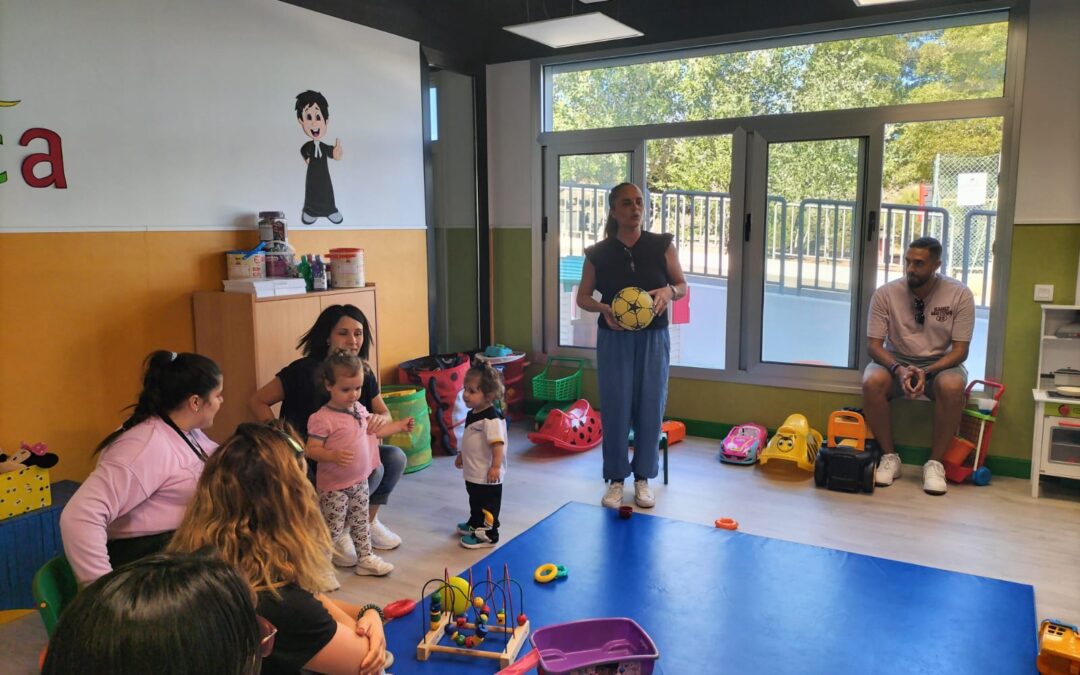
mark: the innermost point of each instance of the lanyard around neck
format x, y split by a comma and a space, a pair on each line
191, 443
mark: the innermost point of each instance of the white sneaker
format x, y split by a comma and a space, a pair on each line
331, 583
613, 495
643, 496
382, 537
344, 551
933, 478
888, 469
374, 566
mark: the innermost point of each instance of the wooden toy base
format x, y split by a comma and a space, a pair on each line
431, 640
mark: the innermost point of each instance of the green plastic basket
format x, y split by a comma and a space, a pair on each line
567, 388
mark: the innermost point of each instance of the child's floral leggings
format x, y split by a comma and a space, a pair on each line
348, 508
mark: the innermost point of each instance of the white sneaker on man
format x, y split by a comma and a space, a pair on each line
933, 478
888, 469
613, 495
344, 551
373, 565
382, 537
643, 496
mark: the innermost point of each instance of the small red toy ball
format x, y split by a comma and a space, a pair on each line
470, 642
522, 619
486, 610
460, 621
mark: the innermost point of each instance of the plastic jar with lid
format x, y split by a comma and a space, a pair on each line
272, 226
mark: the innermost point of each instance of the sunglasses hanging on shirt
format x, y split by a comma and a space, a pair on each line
920, 315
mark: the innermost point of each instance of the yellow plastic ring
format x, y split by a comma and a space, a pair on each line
545, 573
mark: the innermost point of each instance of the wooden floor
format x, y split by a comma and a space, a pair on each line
997, 531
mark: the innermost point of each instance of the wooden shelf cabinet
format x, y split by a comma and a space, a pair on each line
251, 339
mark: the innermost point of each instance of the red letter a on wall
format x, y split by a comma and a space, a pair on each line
54, 156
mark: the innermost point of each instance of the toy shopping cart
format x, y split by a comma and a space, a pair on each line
966, 455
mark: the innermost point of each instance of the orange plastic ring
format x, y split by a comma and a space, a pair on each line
545, 573
727, 523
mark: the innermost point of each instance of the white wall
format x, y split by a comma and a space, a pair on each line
512, 179
1048, 188
179, 114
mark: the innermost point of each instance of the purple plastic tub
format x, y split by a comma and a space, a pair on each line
595, 646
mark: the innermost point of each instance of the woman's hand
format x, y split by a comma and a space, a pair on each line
661, 298
369, 625
609, 317
376, 421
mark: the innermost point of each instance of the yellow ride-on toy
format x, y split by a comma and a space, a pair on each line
795, 441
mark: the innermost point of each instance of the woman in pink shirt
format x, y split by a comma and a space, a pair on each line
136, 496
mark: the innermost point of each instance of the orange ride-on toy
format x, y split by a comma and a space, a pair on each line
575, 430
1059, 648
847, 460
966, 455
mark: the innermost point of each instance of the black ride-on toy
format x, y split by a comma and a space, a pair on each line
849, 456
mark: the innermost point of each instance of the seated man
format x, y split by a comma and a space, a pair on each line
919, 331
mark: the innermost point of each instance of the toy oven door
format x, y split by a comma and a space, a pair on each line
1061, 447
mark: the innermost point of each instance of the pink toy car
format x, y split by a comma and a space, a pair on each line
742, 444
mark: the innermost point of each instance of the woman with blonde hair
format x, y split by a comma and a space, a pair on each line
255, 505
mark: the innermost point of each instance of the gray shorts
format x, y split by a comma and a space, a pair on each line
898, 389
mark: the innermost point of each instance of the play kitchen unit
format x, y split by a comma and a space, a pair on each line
1055, 450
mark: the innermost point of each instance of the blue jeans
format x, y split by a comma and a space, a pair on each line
382, 480
632, 371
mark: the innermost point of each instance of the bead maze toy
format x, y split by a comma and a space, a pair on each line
447, 618
966, 455
1059, 648
847, 460
575, 430
795, 441
742, 444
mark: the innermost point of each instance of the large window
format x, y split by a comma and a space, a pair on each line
785, 223
953, 63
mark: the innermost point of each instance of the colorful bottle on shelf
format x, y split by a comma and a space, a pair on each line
304, 270
318, 274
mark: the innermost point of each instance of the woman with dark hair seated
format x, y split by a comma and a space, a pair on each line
135, 497
255, 505
300, 391
164, 614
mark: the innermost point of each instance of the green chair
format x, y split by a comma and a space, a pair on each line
54, 587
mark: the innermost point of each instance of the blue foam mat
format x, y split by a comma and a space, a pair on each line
727, 602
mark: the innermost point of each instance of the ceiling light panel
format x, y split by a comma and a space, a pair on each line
568, 31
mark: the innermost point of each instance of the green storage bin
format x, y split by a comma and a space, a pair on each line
403, 401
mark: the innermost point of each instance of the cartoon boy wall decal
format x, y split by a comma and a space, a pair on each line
313, 113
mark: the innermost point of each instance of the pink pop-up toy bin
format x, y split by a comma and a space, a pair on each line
589, 647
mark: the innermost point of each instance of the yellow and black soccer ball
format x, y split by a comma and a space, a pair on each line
633, 308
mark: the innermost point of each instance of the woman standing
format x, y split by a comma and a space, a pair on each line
256, 507
299, 389
632, 366
133, 500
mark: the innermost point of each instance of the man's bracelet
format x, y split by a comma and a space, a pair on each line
370, 605
894, 366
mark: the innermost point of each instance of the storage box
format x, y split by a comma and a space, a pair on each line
24, 490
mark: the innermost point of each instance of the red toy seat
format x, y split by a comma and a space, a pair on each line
575, 430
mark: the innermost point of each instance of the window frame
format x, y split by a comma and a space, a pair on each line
869, 123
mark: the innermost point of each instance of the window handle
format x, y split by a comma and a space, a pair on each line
871, 227
746, 228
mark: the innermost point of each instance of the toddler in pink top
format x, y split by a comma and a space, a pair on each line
338, 439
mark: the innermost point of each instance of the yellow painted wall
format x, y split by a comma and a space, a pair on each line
81, 310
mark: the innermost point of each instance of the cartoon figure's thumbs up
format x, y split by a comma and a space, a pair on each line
337, 148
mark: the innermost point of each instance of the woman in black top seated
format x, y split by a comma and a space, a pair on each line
632, 366
255, 505
300, 391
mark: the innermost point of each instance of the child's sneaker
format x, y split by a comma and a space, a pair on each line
478, 539
344, 551
465, 528
373, 565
